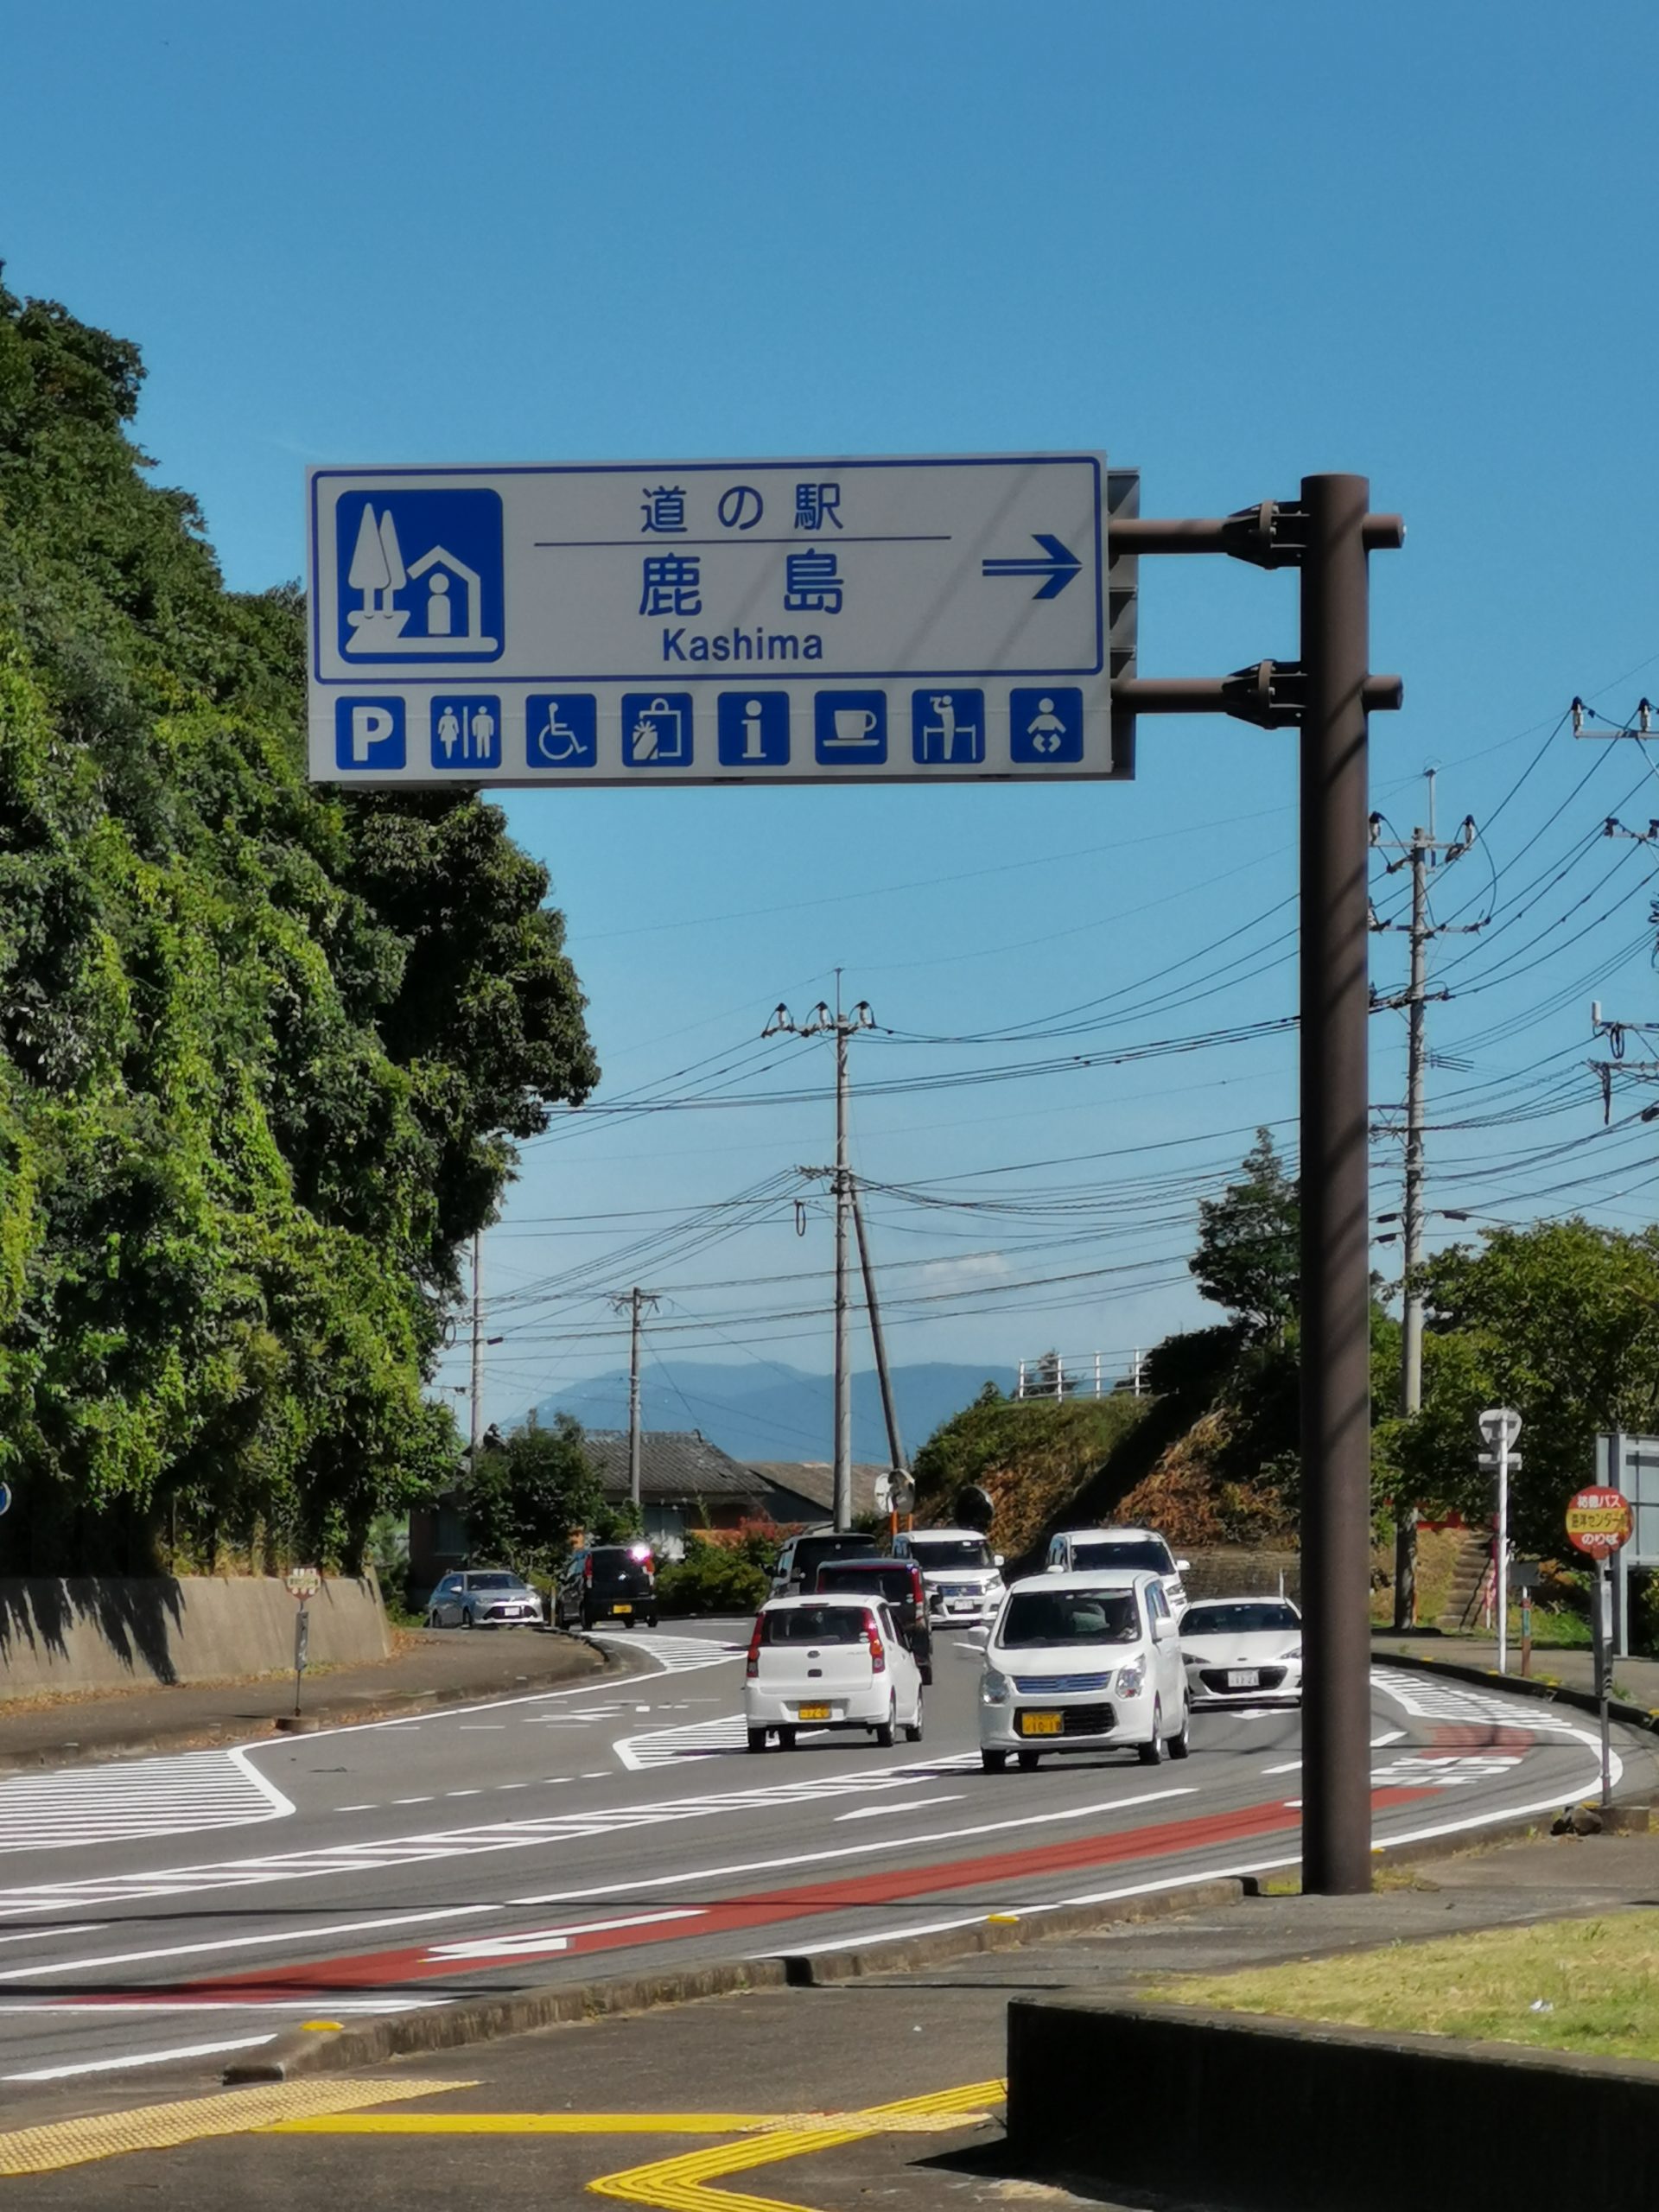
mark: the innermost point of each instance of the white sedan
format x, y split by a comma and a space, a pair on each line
830, 1662
1243, 1651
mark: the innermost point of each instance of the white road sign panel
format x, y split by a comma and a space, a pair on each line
842, 621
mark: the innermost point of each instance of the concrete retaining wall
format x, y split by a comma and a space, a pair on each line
1229, 1571
1260, 2115
127, 1631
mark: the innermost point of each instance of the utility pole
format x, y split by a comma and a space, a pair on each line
1422, 853
889, 1412
633, 1303
478, 1348
821, 1022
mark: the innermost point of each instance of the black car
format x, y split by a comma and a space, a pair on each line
899, 1581
606, 1582
794, 1576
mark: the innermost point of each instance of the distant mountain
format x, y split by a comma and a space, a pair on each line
775, 1411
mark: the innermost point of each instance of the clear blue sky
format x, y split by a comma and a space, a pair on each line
1229, 245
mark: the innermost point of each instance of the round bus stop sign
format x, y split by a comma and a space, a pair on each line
1599, 1522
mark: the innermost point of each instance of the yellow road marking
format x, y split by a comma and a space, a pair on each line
160, 2128
680, 2184
610, 2123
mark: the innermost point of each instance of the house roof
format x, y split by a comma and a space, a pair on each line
815, 1481
674, 1464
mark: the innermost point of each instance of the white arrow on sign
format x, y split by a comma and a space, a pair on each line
1500, 1423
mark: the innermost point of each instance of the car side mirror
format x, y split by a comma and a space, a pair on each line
1162, 1630
972, 1645
1054, 1567
1183, 1567
997, 1559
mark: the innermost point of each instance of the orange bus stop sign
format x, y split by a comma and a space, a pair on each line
1599, 1522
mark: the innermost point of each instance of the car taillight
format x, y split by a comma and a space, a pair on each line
587, 1570
917, 1590
753, 1667
877, 1650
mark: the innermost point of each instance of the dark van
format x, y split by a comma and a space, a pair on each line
802, 1556
899, 1582
606, 1582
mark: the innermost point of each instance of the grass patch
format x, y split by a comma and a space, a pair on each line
1600, 1980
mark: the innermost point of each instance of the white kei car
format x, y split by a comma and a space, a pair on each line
1243, 1651
1082, 1662
830, 1662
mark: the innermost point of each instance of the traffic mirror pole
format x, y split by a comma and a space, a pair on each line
1327, 695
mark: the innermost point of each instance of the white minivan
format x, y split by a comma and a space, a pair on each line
830, 1662
1081, 1662
1073, 1550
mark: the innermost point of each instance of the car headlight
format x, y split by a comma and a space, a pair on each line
1294, 1652
993, 1687
1131, 1679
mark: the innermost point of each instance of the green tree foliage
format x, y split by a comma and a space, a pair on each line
1561, 1321
1031, 1454
264, 1051
712, 1579
529, 1496
1249, 1260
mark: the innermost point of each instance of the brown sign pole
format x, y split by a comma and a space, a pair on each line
1328, 694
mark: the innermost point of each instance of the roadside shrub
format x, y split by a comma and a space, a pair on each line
711, 1579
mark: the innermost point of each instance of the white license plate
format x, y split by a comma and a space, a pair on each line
1244, 1678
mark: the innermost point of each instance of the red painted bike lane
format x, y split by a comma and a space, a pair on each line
476, 1954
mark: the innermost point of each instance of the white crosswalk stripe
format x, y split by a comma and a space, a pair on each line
696, 1739
676, 1654
136, 1798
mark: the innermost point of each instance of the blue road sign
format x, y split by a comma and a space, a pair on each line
947, 728
561, 729
369, 735
850, 729
753, 729
1046, 725
657, 729
421, 576
467, 731
5, 1498
820, 620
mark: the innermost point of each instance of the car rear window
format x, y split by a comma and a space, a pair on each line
815, 1624
893, 1583
1239, 1618
1149, 1552
619, 1568
1036, 1617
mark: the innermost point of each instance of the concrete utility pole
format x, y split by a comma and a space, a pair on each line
478, 1346
1326, 695
1422, 853
821, 1022
896, 1460
633, 1303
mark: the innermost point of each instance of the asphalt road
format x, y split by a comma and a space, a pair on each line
160, 1913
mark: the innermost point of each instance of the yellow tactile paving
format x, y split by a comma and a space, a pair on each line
161, 2127
680, 2184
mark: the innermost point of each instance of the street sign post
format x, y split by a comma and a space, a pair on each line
1599, 1522
303, 1584
1500, 1426
925, 620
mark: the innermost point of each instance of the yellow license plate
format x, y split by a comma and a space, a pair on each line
815, 1713
1039, 1724
621, 1609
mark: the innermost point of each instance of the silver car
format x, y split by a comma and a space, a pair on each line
484, 1597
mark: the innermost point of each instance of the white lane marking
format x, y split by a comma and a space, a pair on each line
132, 1800
676, 1654
688, 1739
324, 1934
540, 1939
357, 1808
411, 1800
888, 1812
534, 1832
48, 2008
39, 1935
853, 1850
1425, 1699
463, 1793
1389, 1736
149, 2058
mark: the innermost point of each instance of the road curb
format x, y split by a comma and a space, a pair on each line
451, 2027
1487, 1678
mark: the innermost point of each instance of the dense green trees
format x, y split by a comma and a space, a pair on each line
264, 1051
